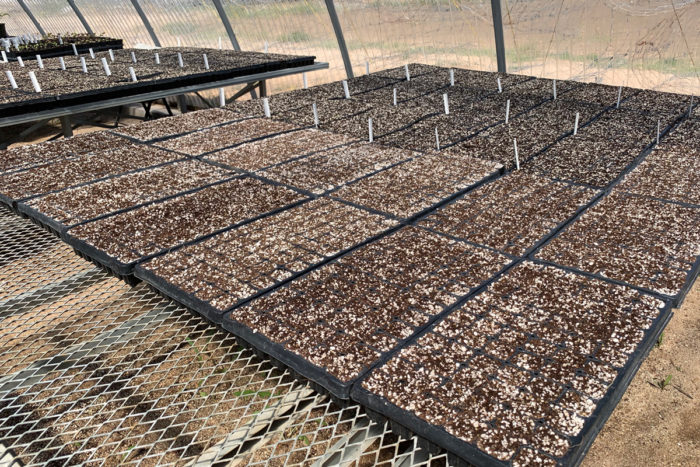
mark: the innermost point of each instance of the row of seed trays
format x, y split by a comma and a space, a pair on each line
54, 45
47, 83
646, 232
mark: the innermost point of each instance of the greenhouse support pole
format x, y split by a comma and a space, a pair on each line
146, 23
227, 24
31, 17
231, 33
339, 36
81, 17
498, 33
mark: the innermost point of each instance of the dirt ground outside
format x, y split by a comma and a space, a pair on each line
655, 426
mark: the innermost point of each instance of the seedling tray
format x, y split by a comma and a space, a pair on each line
581, 234
512, 214
60, 211
229, 269
89, 168
28, 156
97, 45
413, 188
125, 88
199, 204
276, 150
318, 324
491, 399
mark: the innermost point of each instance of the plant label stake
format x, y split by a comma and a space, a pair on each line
367, 66
132, 73
20, 61
4, 56
371, 131
206, 62
11, 78
111, 55
105, 65
39, 61
500, 87
60, 40
507, 110
452, 77
157, 58
266, 107
265, 46
619, 96
35, 82
305, 80
133, 57
83, 64
62, 63
315, 110
408, 75
179, 44
92, 53
437, 139
517, 159
75, 49
576, 124
554, 89
221, 45
395, 99
446, 102
658, 131
179, 60
346, 89
222, 97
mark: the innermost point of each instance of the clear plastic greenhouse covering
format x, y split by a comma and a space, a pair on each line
639, 43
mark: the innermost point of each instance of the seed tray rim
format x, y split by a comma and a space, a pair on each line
121, 269
580, 444
60, 229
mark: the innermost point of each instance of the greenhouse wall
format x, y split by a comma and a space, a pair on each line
640, 43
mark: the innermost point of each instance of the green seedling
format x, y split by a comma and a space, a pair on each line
195, 348
251, 393
126, 454
203, 393
304, 439
660, 340
665, 382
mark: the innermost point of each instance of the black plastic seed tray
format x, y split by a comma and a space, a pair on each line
318, 324
59, 227
208, 222
81, 160
545, 203
672, 263
318, 231
99, 45
126, 88
477, 372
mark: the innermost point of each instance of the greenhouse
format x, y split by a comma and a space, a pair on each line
349, 232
